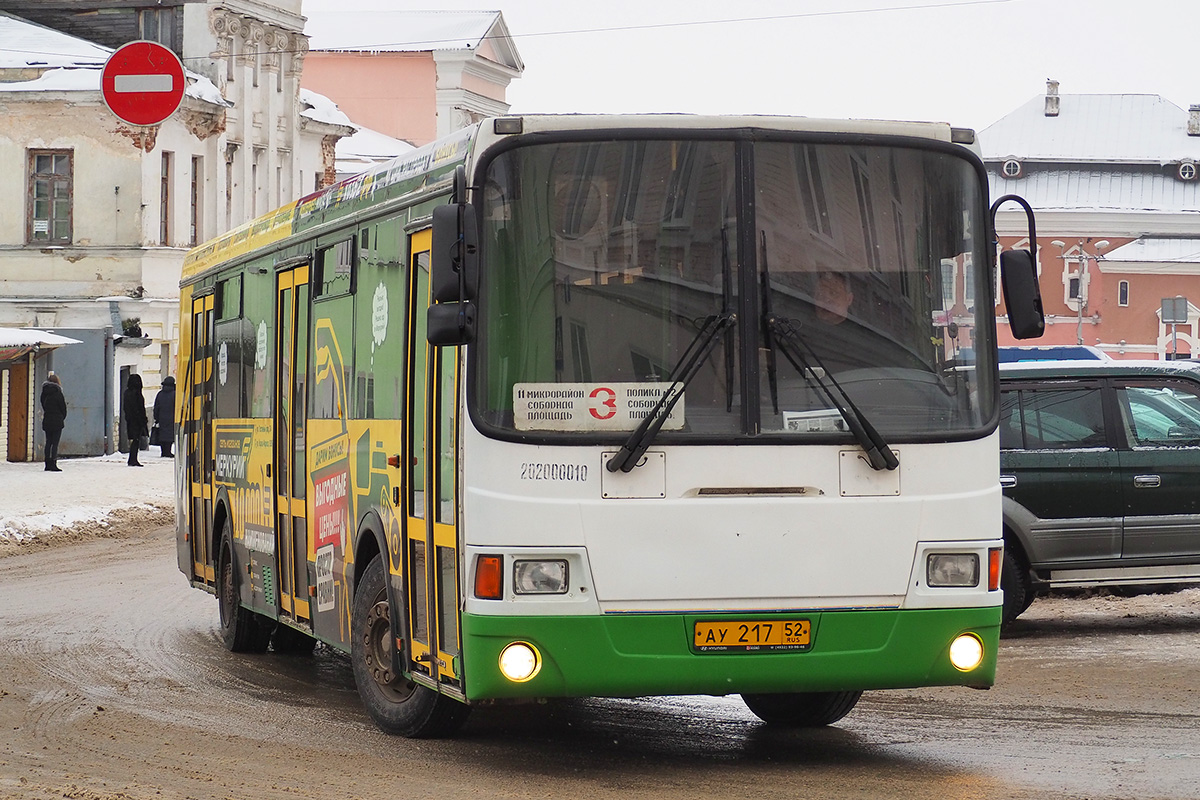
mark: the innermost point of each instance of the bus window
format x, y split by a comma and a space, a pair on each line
258, 336
335, 270
379, 330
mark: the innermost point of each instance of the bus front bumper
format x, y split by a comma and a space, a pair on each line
630, 655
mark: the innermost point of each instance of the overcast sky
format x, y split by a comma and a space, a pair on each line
966, 62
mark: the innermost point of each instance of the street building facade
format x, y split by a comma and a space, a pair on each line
420, 76
1112, 180
100, 213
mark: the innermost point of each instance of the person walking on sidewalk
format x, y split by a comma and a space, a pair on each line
136, 424
164, 417
54, 417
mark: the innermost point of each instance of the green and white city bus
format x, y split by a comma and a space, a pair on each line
610, 406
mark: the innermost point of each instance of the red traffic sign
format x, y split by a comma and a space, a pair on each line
142, 83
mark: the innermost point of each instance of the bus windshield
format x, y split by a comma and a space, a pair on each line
849, 271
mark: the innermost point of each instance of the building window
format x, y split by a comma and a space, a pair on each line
229, 156
1187, 171
866, 213
164, 201
949, 279
1123, 293
158, 25
1012, 168
812, 190
1073, 287
195, 200
50, 197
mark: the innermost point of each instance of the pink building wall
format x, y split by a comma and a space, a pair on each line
393, 93
1105, 320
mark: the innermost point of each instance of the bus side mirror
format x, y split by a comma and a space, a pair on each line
1022, 296
450, 324
454, 259
1019, 281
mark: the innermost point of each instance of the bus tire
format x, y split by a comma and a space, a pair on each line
1017, 586
397, 705
242, 630
802, 709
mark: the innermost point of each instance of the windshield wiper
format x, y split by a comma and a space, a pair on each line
693, 358
785, 336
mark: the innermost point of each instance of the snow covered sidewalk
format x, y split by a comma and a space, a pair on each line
90, 497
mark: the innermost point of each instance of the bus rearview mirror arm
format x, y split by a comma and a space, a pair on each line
1019, 280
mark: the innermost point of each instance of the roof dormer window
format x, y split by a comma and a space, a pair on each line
1187, 171
1012, 168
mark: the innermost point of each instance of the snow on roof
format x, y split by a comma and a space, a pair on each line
25, 44
59, 79
78, 79
1159, 250
397, 31
366, 148
320, 108
1126, 128
30, 337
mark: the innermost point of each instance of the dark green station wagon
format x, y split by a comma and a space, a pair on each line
1100, 469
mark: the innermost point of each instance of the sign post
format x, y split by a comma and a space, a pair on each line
1175, 312
142, 83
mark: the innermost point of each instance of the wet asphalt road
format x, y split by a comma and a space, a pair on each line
114, 685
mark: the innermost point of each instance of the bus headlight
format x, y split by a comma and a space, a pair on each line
966, 652
952, 569
540, 577
519, 662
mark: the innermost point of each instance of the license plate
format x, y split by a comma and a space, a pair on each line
752, 636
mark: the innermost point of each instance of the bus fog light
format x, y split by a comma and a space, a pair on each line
952, 569
519, 662
540, 577
966, 652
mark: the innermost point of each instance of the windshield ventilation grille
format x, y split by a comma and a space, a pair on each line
758, 491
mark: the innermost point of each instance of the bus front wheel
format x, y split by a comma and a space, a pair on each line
802, 709
396, 704
242, 630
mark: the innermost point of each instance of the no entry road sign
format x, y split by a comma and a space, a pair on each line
142, 83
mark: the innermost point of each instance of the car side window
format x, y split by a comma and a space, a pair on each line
1011, 437
1162, 414
1052, 419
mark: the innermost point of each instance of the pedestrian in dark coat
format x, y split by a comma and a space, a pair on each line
136, 424
164, 417
54, 417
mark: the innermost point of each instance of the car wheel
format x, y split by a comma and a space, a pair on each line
396, 704
802, 709
1017, 586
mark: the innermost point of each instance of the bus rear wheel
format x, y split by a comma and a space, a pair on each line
396, 704
242, 630
802, 709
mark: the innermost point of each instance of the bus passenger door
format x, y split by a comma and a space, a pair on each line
200, 451
290, 464
432, 533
